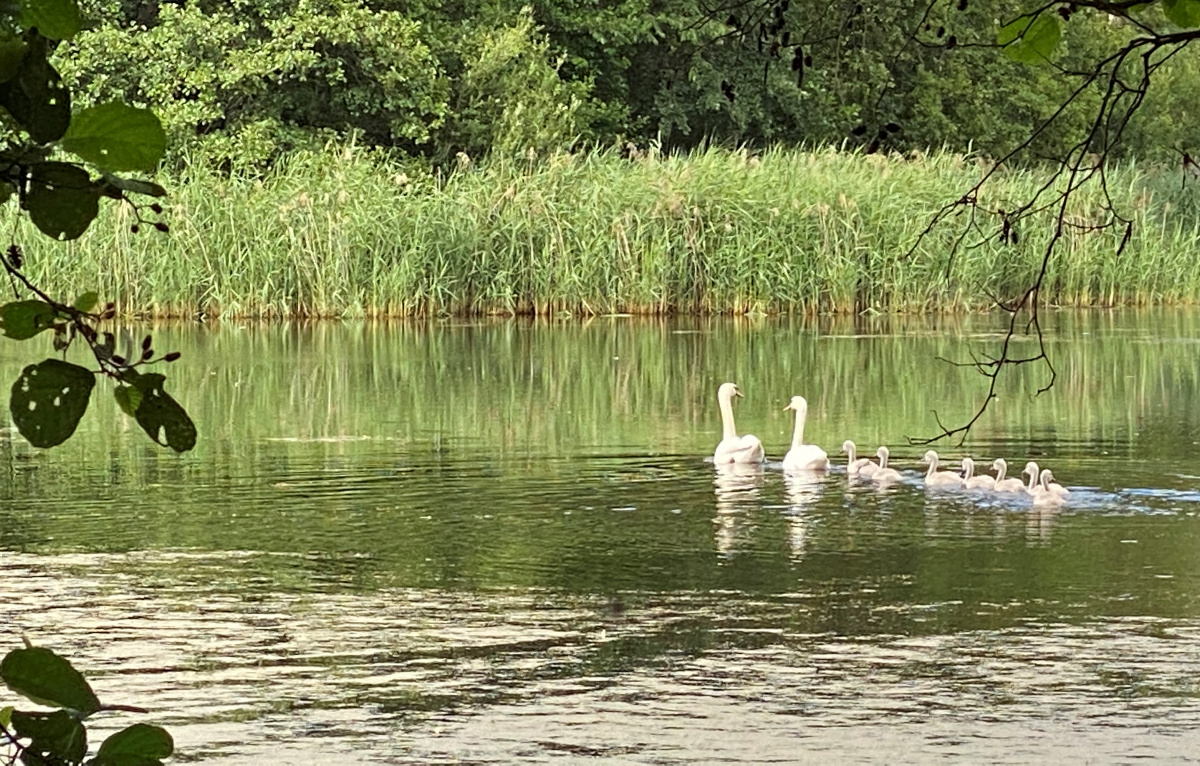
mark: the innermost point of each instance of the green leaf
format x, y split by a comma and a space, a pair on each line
128, 398
1030, 39
117, 136
36, 96
21, 320
5, 716
56, 19
135, 185
162, 417
47, 679
1183, 13
87, 301
48, 400
57, 736
62, 200
138, 745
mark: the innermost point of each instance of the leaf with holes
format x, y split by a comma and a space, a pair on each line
36, 96
1183, 13
1030, 39
47, 679
55, 737
116, 136
62, 200
21, 320
48, 400
138, 745
160, 416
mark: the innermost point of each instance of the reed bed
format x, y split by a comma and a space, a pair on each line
352, 233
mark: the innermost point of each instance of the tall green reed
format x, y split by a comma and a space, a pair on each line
350, 233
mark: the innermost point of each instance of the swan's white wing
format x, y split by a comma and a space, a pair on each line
944, 479
806, 457
1010, 485
862, 467
885, 475
981, 482
744, 449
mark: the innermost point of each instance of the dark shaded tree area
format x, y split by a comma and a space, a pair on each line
247, 80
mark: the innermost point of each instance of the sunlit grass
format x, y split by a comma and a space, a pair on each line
347, 233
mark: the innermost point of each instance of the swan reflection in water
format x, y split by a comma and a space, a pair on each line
738, 489
1039, 523
803, 492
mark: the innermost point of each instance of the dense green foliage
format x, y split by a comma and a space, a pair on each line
351, 233
253, 79
60, 737
250, 80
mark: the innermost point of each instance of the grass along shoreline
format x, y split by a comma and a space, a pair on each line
346, 233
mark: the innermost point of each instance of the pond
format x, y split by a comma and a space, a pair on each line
500, 541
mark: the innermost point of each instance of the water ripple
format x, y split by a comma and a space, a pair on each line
681, 677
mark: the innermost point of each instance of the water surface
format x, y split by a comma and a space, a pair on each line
500, 541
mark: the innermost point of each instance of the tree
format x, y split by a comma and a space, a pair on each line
62, 196
1126, 46
248, 82
240, 84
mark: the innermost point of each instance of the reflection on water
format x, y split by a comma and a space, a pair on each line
738, 495
503, 542
804, 490
1039, 522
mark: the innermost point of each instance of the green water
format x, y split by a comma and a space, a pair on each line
498, 542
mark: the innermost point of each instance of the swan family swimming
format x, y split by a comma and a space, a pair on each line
802, 458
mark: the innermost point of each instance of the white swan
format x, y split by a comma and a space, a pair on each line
1053, 486
1031, 468
733, 448
883, 473
1047, 491
803, 457
971, 481
1011, 484
936, 478
862, 466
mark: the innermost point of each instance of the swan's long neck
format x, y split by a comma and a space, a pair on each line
883, 458
850, 452
1001, 469
1034, 476
968, 469
933, 463
728, 431
798, 434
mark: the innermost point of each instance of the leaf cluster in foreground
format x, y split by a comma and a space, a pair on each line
59, 167
60, 736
